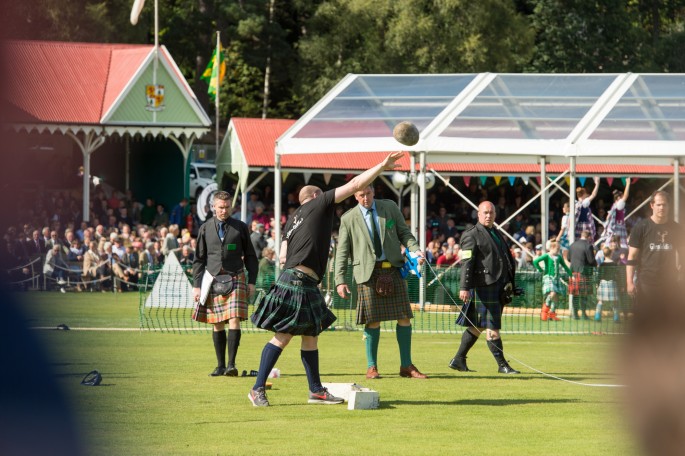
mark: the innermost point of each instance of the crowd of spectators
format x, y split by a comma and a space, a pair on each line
125, 238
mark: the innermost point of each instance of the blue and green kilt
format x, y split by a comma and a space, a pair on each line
563, 242
607, 291
293, 305
373, 308
222, 308
485, 310
552, 284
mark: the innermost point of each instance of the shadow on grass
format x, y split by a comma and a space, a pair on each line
478, 402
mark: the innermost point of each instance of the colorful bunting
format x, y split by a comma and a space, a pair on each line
582, 181
467, 180
498, 179
483, 179
327, 177
610, 180
512, 179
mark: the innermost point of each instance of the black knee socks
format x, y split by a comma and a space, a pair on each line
219, 339
310, 361
467, 341
270, 355
233, 344
497, 349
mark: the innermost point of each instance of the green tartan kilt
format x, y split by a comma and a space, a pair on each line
219, 308
485, 309
293, 305
372, 308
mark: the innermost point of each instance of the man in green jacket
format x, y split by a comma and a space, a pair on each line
371, 236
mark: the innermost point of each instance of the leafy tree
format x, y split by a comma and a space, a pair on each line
579, 36
410, 36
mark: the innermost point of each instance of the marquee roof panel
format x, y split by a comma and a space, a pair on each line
500, 116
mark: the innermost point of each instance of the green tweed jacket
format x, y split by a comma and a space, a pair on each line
356, 247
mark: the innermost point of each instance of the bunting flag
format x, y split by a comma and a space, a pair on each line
610, 180
512, 179
498, 179
215, 71
634, 179
568, 180
483, 180
582, 181
525, 179
307, 176
327, 177
539, 179
623, 179
467, 180
284, 175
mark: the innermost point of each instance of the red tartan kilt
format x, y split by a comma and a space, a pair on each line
222, 308
580, 285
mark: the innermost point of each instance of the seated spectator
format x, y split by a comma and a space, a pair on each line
186, 257
447, 259
161, 217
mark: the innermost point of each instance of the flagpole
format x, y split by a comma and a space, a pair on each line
217, 62
156, 62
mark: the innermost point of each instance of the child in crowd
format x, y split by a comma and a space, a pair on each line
552, 286
607, 291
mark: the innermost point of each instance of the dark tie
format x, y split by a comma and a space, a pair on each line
222, 230
377, 246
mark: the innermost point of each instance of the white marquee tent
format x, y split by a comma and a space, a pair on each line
602, 119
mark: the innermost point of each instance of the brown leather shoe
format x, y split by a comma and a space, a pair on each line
372, 372
411, 372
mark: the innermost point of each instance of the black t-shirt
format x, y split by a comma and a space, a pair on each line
308, 233
658, 244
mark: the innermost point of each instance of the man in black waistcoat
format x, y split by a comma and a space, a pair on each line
487, 273
224, 248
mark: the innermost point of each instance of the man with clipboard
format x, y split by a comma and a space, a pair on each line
221, 288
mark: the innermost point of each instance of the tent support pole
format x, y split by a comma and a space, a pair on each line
544, 205
676, 189
277, 210
422, 225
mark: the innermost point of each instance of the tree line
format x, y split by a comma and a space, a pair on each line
283, 55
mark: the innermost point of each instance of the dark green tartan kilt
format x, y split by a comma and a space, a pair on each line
293, 305
485, 309
372, 308
220, 308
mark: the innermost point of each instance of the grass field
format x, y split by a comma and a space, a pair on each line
156, 396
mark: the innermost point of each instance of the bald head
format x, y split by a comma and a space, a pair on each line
486, 214
309, 192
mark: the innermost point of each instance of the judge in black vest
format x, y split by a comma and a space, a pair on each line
487, 270
224, 247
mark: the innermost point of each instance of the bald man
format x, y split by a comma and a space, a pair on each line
294, 306
487, 270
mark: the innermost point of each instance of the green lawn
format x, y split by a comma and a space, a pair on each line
156, 396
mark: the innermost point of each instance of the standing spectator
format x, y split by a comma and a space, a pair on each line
552, 286
487, 272
584, 219
169, 239
305, 249
224, 248
178, 214
372, 235
257, 238
55, 267
655, 244
147, 213
582, 257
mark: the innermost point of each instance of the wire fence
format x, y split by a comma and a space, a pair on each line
168, 306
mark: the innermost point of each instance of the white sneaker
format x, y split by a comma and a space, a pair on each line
62, 290
61, 282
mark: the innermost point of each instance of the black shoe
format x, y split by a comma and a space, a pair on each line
218, 371
459, 363
505, 368
231, 371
